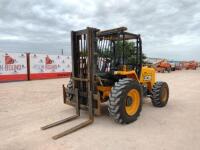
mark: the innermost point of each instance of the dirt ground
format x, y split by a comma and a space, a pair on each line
26, 106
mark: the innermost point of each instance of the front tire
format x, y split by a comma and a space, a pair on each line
160, 94
125, 101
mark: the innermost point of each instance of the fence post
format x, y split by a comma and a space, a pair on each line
28, 65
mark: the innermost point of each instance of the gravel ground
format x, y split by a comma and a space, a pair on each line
26, 106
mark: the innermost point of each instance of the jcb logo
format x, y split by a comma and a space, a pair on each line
147, 78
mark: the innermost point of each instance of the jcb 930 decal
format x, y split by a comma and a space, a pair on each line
147, 78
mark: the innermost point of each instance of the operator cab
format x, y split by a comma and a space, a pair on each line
118, 50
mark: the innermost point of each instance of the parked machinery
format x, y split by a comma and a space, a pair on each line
191, 65
163, 66
105, 70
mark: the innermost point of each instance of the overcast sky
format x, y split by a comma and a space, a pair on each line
168, 28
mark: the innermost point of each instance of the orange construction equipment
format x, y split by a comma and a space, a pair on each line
163, 66
191, 65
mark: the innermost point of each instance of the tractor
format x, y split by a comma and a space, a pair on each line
107, 68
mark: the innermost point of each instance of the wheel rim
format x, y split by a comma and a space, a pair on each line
164, 95
132, 102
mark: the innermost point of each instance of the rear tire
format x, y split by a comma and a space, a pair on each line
160, 94
125, 101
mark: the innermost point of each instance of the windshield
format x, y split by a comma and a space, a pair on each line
113, 54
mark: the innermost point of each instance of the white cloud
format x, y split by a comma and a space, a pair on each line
12, 37
185, 40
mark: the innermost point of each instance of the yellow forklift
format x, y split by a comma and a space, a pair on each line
107, 67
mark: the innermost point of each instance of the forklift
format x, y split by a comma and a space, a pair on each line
107, 67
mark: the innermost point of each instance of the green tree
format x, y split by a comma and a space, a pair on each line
129, 52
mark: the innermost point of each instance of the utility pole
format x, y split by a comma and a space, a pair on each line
62, 52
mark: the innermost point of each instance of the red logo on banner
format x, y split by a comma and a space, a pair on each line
48, 60
11, 65
9, 60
